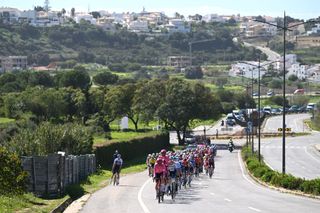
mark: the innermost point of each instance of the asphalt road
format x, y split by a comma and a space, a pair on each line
230, 190
293, 121
302, 159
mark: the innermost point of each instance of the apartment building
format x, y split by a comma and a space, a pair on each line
11, 63
179, 61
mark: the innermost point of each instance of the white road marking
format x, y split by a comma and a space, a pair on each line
268, 165
144, 207
212, 193
254, 209
242, 171
226, 199
305, 149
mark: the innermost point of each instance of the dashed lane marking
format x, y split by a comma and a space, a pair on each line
254, 209
226, 199
212, 193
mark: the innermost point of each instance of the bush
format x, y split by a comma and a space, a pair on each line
131, 149
49, 138
287, 181
12, 178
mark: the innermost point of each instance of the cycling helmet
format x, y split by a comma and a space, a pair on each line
163, 151
119, 156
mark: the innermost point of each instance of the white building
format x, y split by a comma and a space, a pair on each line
247, 70
314, 73
138, 26
314, 30
84, 16
213, 18
177, 25
9, 15
106, 23
301, 71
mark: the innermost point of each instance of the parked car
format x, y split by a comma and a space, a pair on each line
267, 110
302, 109
255, 94
294, 109
299, 91
311, 106
270, 93
275, 111
230, 122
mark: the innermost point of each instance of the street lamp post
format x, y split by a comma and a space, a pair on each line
259, 102
285, 28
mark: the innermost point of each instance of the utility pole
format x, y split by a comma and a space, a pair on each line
285, 28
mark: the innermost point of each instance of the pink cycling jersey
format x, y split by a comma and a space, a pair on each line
159, 168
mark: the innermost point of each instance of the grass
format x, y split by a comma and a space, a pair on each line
312, 125
118, 136
197, 122
29, 203
6, 120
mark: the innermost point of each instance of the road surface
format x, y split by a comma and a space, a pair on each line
302, 159
293, 121
272, 55
230, 190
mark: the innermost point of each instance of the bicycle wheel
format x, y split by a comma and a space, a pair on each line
173, 190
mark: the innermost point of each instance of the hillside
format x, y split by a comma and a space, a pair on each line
86, 43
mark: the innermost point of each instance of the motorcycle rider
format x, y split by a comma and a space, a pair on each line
230, 145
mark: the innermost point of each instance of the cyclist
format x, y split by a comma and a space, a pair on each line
211, 163
159, 172
116, 167
148, 164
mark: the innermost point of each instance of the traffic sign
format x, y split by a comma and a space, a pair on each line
286, 129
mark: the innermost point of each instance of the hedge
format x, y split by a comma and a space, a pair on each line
261, 171
130, 150
12, 177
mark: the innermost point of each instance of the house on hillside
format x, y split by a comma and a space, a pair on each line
11, 63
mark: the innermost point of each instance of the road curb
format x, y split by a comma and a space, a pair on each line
62, 206
280, 189
78, 204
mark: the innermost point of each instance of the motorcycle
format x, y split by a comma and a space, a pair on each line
230, 147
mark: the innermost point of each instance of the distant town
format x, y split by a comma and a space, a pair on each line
159, 24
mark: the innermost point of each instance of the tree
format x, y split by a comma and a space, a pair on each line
13, 178
275, 84
100, 99
73, 12
95, 14
292, 77
105, 78
75, 79
41, 79
63, 11
148, 97
193, 73
121, 100
184, 103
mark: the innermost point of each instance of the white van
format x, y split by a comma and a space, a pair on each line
311, 106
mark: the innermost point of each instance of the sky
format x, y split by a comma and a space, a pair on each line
295, 8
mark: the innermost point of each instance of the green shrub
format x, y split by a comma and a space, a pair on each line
266, 177
12, 178
49, 138
131, 149
290, 182
260, 171
263, 172
311, 186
